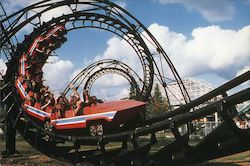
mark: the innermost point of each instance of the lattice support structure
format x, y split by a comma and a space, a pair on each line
102, 14
9, 47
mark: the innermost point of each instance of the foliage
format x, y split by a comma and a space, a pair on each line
157, 104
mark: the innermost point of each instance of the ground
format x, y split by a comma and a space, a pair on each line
29, 157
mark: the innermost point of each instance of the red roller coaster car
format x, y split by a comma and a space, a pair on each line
95, 118
112, 114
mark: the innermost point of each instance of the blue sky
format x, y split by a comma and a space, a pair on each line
206, 39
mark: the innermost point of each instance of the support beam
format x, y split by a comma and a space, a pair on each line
10, 139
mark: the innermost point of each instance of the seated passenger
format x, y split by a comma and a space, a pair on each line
62, 104
56, 112
46, 103
49, 104
29, 85
76, 105
93, 100
44, 91
72, 102
66, 101
75, 93
51, 96
31, 100
79, 108
37, 101
86, 98
22, 79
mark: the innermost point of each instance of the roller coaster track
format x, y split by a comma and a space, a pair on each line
9, 47
135, 146
91, 73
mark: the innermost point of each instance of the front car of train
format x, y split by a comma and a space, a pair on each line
42, 106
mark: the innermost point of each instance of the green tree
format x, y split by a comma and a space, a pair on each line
157, 94
157, 103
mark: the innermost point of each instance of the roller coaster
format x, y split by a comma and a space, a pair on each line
135, 145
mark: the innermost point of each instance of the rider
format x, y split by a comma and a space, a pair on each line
86, 98
75, 101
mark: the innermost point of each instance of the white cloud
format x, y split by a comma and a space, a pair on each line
121, 94
54, 13
211, 10
212, 78
121, 3
119, 49
111, 80
111, 87
75, 73
15, 5
57, 73
242, 71
110, 94
211, 49
3, 68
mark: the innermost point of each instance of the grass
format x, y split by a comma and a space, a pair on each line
238, 159
30, 157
